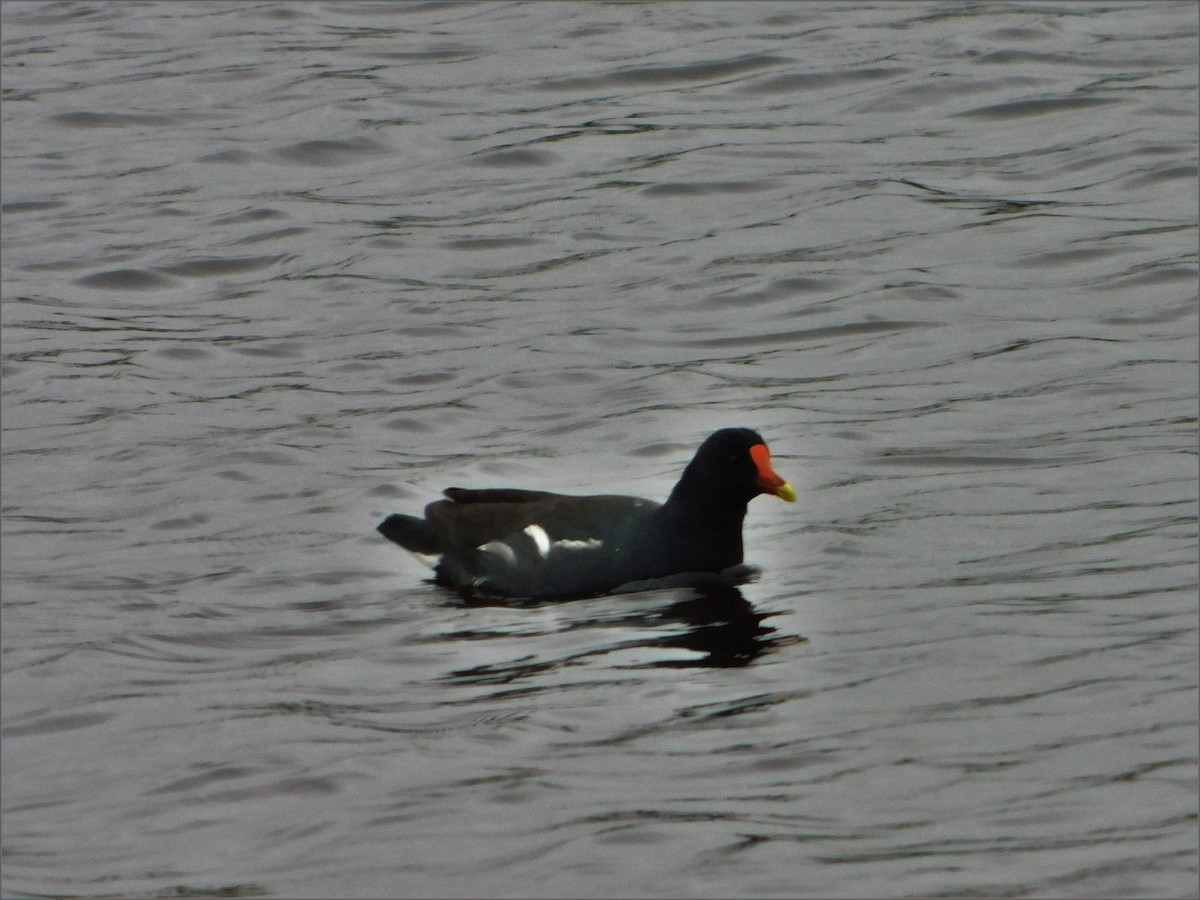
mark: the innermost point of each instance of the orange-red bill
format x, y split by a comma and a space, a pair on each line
767, 479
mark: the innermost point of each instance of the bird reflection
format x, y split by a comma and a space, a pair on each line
721, 625
712, 620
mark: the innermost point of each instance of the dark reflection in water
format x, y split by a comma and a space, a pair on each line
722, 625
717, 623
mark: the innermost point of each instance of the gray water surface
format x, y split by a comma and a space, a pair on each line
274, 270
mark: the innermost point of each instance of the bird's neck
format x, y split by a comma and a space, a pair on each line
712, 529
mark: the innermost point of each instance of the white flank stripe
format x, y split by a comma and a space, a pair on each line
538, 533
589, 544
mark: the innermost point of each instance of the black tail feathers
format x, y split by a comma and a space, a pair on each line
411, 533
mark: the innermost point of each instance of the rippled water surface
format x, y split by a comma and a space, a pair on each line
274, 270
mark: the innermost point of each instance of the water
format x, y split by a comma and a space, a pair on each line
272, 271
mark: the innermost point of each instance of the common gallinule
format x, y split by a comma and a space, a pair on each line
520, 543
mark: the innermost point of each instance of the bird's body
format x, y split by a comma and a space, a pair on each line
516, 542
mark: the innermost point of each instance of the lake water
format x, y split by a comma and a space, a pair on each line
274, 270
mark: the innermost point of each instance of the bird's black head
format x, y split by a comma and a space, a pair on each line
731, 468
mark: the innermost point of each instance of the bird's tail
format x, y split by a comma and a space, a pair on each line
413, 534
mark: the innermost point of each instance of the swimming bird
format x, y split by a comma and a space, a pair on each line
524, 543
